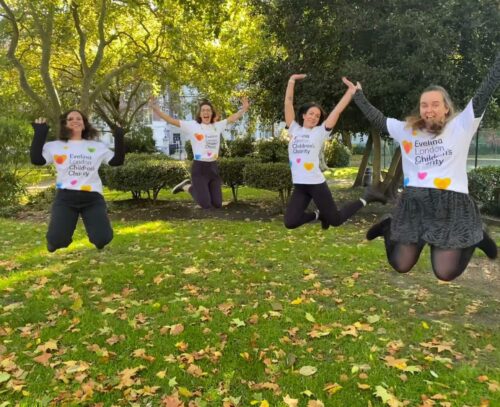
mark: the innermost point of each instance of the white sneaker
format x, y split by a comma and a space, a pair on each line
180, 187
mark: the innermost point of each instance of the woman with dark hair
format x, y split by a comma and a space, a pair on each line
77, 158
307, 136
205, 185
435, 206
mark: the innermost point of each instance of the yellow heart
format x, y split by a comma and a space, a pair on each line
442, 183
85, 188
308, 166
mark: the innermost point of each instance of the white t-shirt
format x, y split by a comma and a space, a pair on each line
437, 161
77, 163
303, 153
205, 138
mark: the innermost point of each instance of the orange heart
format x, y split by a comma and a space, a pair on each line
86, 188
59, 159
442, 183
414, 132
407, 145
308, 166
199, 136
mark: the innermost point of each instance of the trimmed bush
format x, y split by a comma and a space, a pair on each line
241, 147
231, 172
189, 151
270, 176
484, 187
144, 175
336, 154
11, 189
42, 199
272, 150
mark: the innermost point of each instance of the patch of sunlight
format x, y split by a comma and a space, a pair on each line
156, 226
23, 276
347, 171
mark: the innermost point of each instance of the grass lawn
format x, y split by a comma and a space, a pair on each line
214, 312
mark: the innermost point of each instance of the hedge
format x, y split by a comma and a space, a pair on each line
484, 188
270, 176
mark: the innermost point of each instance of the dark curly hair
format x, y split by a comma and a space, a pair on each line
303, 110
89, 131
198, 113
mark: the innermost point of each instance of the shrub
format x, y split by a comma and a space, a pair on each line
144, 175
231, 172
189, 150
140, 140
358, 149
42, 199
241, 147
484, 187
11, 188
270, 176
272, 150
336, 154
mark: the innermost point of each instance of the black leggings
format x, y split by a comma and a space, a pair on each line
302, 194
206, 184
68, 205
447, 264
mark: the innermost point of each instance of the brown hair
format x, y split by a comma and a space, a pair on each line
198, 113
89, 131
305, 108
416, 122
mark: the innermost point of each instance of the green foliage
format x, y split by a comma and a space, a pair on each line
231, 172
241, 146
188, 147
274, 176
484, 187
11, 189
336, 154
42, 199
144, 174
272, 150
358, 149
140, 140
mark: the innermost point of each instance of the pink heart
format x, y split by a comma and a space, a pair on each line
422, 175
74, 182
298, 160
209, 153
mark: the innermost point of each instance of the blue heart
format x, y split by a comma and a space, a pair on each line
290, 164
406, 181
59, 185
197, 156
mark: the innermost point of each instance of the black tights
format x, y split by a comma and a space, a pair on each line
447, 264
302, 195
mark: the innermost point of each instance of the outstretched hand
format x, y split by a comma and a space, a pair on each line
297, 76
245, 103
41, 120
152, 102
352, 88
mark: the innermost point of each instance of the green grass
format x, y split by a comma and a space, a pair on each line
250, 296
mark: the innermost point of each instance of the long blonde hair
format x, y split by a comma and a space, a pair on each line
416, 122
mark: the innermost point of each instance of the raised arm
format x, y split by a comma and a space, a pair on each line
374, 116
169, 119
41, 130
239, 114
289, 111
119, 156
334, 115
486, 89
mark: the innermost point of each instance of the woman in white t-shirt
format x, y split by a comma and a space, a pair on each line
205, 185
307, 136
77, 158
435, 206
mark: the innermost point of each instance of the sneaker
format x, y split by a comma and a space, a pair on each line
324, 224
180, 187
488, 246
374, 195
380, 228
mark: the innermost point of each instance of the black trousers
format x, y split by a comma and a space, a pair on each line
67, 207
302, 194
206, 184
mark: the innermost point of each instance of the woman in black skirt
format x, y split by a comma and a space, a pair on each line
435, 206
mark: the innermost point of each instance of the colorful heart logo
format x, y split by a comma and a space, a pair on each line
308, 166
197, 156
91, 149
290, 164
199, 136
86, 188
59, 185
73, 182
209, 153
422, 175
406, 181
298, 160
215, 156
414, 132
65, 147
407, 145
442, 183
59, 159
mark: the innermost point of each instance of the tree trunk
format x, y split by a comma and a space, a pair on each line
391, 172
377, 162
364, 162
